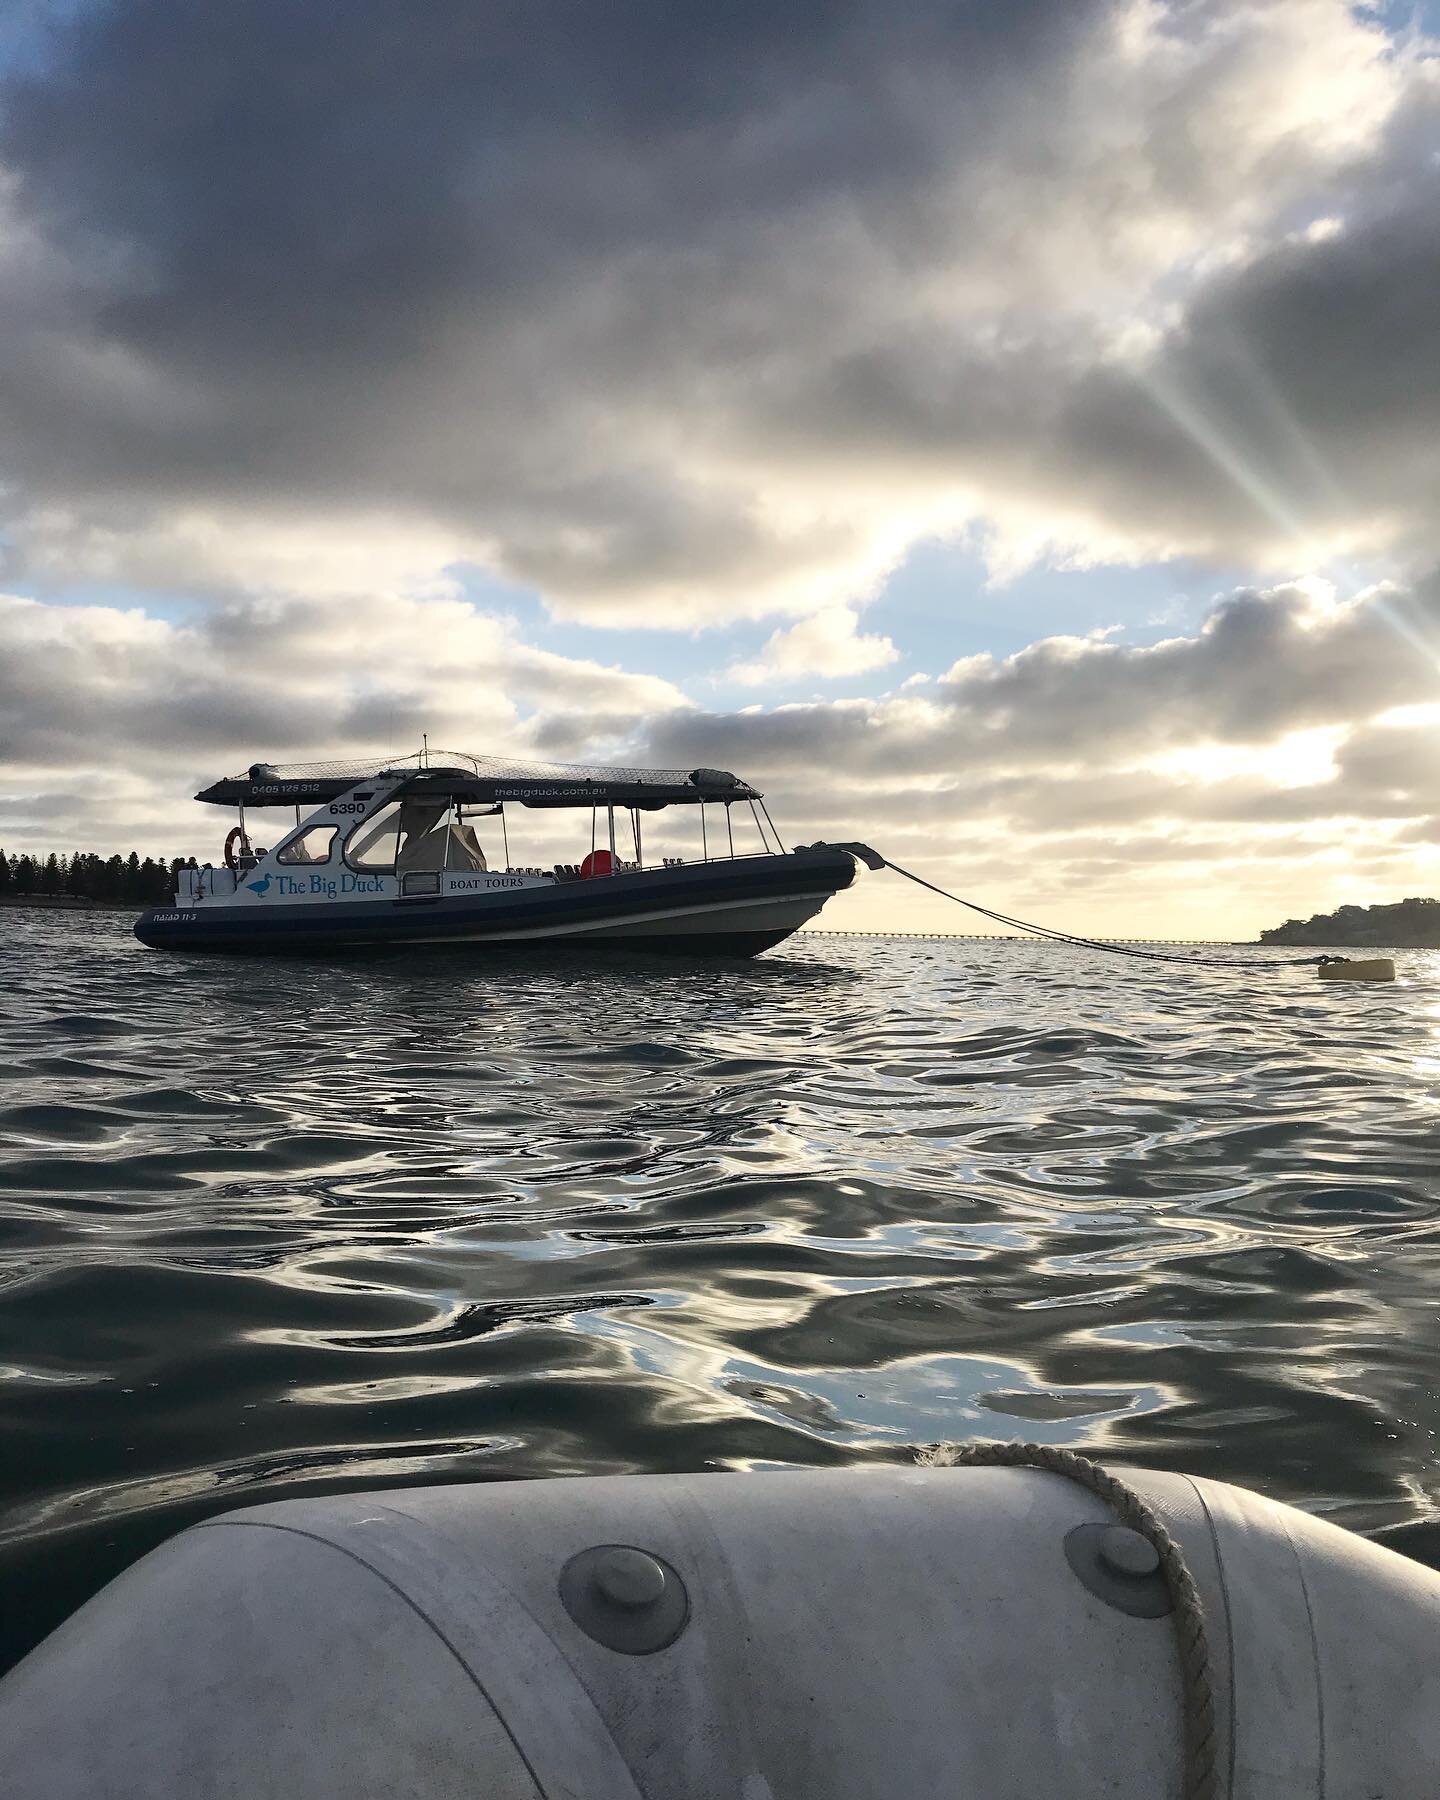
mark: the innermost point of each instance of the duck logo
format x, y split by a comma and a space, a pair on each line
259, 887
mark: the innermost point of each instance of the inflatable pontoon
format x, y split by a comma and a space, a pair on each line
392, 856
998, 1633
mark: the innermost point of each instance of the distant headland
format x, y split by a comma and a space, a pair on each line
1402, 925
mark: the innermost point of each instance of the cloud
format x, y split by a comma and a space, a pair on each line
1264, 664
137, 711
682, 316
1279, 749
826, 646
1278, 757
688, 314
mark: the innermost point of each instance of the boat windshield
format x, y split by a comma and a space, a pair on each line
414, 835
373, 843
312, 846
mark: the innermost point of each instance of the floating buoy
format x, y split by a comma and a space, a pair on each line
1375, 968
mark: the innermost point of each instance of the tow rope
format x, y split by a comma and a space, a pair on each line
1201, 1771
874, 860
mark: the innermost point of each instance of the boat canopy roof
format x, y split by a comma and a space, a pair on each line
484, 779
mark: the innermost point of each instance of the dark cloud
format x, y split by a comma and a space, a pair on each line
661, 308
684, 313
1295, 408
288, 202
336, 141
1300, 399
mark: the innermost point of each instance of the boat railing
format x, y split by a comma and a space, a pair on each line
215, 882
561, 872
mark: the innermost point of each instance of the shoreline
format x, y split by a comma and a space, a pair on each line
68, 903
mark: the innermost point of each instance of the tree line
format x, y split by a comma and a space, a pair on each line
124, 880
1412, 924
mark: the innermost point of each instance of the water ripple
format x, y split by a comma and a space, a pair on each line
269, 1229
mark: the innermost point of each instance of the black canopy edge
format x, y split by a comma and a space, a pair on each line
649, 796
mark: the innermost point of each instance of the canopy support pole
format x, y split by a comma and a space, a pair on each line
610, 814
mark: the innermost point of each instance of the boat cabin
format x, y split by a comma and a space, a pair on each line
439, 824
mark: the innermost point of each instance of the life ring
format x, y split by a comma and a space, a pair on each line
598, 862
235, 845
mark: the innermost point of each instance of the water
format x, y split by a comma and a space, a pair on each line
269, 1228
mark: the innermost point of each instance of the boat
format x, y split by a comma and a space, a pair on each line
418, 851
772, 1635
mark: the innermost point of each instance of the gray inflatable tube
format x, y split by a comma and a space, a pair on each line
794, 1636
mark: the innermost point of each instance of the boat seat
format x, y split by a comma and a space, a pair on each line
454, 847
463, 837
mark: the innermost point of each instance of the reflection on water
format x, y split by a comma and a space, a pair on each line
268, 1228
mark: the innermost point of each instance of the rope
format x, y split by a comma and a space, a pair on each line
1201, 1769
1067, 937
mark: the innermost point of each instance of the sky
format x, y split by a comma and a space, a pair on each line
1005, 433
